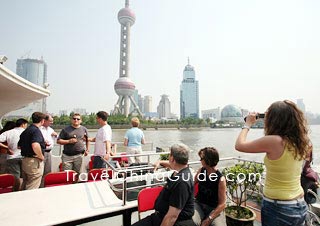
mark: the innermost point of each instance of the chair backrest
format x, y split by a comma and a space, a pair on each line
147, 198
91, 162
60, 178
123, 160
99, 174
196, 189
124, 157
6, 183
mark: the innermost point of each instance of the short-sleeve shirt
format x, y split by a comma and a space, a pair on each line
178, 192
31, 135
47, 135
12, 138
71, 132
134, 137
208, 188
104, 134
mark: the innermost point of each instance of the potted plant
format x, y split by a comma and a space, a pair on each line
242, 181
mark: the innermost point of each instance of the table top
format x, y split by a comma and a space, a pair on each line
60, 204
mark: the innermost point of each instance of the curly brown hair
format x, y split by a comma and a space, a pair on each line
285, 119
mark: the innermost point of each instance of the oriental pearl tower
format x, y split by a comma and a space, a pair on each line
124, 87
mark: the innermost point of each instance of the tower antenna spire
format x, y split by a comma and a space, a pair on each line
188, 61
127, 3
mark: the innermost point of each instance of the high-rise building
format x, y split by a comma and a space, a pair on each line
35, 71
189, 93
147, 104
124, 87
164, 107
141, 103
301, 105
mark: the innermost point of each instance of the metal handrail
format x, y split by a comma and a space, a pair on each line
137, 168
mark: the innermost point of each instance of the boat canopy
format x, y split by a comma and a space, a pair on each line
16, 92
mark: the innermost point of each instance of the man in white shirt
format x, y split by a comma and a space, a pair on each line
14, 158
49, 136
102, 147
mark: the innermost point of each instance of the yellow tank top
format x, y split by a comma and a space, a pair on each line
283, 176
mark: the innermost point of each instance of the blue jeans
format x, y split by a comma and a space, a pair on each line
275, 214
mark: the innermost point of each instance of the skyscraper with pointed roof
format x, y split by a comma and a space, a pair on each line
189, 93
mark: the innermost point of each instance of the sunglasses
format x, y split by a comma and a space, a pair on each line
76, 119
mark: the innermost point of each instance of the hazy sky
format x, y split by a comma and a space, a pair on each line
248, 53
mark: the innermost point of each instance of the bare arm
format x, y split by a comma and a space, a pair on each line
37, 150
64, 142
4, 146
143, 141
125, 143
108, 151
92, 139
273, 145
164, 163
171, 216
222, 198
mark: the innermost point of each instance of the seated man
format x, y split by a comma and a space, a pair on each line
175, 203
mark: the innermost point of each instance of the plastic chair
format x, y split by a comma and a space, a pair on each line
196, 189
99, 174
123, 160
6, 183
91, 162
60, 178
147, 198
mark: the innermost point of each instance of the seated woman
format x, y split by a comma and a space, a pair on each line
211, 198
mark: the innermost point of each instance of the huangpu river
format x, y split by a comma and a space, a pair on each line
222, 139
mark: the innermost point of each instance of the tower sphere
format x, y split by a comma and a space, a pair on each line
124, 86
126, 15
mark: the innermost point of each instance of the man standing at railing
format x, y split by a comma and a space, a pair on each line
175, 203
102, 147
73, 138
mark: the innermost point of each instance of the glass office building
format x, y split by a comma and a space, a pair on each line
189, 94
35, 71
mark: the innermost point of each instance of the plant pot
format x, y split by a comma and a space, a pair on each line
232, 219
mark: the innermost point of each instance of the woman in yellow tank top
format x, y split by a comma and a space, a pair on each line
286, 144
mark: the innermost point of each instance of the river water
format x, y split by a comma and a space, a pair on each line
222, 139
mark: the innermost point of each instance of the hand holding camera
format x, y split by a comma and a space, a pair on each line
253, 117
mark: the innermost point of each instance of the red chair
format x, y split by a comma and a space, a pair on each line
91, 162
99, 174
196, 189
60, 178
60, 167
123, 160
6, 183
147, 198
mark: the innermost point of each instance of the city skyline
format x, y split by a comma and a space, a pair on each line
244, 53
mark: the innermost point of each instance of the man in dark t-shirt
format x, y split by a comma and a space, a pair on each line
73, 138
175, 203
32, 146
